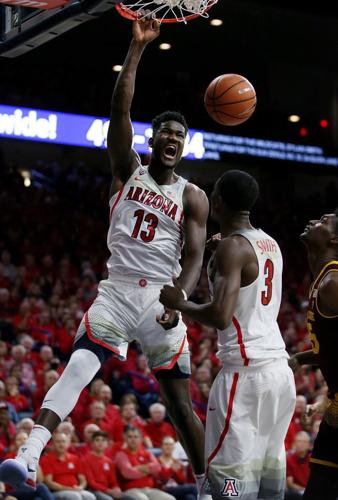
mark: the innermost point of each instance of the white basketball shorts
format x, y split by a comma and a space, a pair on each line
124, 310
249, 412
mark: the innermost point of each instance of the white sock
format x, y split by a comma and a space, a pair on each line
34, 445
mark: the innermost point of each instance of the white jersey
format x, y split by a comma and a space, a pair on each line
254, 334
146, 233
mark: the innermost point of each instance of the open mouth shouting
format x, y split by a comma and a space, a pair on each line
169, 152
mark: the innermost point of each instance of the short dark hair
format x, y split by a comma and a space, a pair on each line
167, 116
97, 434
238, 190
131, 428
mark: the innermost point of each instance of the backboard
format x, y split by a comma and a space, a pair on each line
24, 28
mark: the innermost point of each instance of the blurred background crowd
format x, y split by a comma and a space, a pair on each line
52, 256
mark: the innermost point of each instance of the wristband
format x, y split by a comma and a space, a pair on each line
184, 294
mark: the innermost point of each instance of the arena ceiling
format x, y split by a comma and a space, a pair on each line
288, 49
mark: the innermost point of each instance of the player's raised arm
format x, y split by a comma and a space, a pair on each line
230, 258
196, 207
123, 158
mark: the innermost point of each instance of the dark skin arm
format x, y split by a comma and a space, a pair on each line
196, 208
328, 305
303, 358
231, 257
123, 158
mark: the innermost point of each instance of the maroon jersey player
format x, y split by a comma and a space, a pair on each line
321, 240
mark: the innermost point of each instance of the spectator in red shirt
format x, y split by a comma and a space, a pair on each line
95, 387
83, 448
43, 328
45, 357
28, 342
7, 429
63, 472
66, 427
25, 425
298, 469
290, 436
65, 335
137, 469
156, 427
50, 378
172, 477
3, 358
98, 416
19, 401
143, 381
300, 409
100, 470
105, 395
19, 366
11, 410
129, 417
21, 320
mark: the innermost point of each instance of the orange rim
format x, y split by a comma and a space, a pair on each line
131, 15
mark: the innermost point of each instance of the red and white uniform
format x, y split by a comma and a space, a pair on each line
145, 236
252, 398
254, 334
145, 239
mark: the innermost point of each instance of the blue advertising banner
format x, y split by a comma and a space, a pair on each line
91, 132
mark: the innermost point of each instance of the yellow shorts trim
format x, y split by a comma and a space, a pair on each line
324, 462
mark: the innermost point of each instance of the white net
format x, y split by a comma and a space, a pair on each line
169, 10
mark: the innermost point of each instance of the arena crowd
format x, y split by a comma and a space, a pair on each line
52, 256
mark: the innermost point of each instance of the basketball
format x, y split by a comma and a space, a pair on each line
230, 99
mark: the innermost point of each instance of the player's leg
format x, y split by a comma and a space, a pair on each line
323, 483
230, 437
176, 397
238, 432
276, 414
169, 358
175, 393
58, 403
99, 335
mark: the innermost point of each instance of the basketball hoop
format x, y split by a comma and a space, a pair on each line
165, 11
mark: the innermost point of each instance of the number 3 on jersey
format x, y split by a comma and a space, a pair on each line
152, 220
268, 273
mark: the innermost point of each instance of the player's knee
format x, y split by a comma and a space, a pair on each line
82, 365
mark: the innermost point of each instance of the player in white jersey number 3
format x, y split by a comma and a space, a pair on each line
252, 398
153, 213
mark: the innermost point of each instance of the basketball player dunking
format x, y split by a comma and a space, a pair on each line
321, 240
252, 398
153, 212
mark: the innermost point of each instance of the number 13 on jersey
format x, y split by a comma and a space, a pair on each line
152, 221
